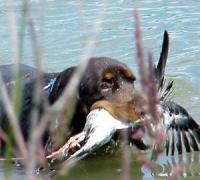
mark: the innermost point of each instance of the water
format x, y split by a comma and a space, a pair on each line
64, 29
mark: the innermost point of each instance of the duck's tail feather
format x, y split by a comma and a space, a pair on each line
160, 68
164, 91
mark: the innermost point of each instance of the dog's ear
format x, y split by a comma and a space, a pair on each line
62, 80
160, 69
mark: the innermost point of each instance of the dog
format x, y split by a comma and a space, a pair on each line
107, 87
106, 82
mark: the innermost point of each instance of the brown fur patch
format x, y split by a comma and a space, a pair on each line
109, 75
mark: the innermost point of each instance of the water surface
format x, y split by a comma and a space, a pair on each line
64, 28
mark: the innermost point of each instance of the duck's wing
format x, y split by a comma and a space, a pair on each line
183, 132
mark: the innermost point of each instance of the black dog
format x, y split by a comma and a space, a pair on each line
106, 84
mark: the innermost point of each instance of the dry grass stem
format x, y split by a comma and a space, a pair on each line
150, 89
126, 157
66, 103
33, 143
13, 120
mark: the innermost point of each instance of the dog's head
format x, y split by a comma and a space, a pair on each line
106, 83
109, 84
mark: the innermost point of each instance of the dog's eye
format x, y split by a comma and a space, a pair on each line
131, 78
107, 83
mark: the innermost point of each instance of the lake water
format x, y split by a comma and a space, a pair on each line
65, 26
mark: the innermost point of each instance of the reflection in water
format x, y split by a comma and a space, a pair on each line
109, 166
165, 164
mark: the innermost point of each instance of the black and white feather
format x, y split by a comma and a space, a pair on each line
183, 132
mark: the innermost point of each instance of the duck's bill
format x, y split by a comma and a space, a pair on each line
99, 129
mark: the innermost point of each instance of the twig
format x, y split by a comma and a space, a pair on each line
13, 111
140, 55
149, 87
3, 135
13, 120
126, 160
65, 102
37, 89
152, 91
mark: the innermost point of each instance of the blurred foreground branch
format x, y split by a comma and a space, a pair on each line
13, 120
